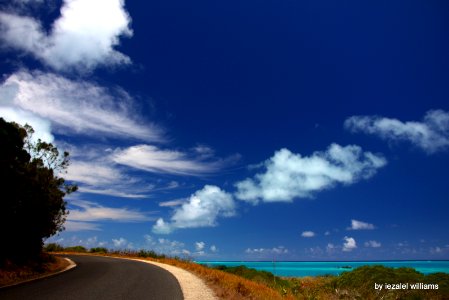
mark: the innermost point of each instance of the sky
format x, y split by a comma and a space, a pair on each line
240, 130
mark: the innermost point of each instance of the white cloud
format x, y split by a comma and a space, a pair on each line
199, 246
75, 107
152, 159
213, 249
373, 244
76, 241
172, 203
98, 177
92, 174
161, 227
289, 176
431, 134
80, 226
359, 225
267, 251
166, 246
122, 243
330, 248
436, 250
41, 127
83, 37
91, 212
308, 234
349, 244
203, 209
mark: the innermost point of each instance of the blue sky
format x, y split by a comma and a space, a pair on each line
301, 130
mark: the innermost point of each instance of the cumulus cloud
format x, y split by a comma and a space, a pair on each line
349, 244
75, 107
373, 244
330, 248
166, 246
202, 209
359, 225
153, 159
199, 246
289, 176
90, 212
120, 243
308, 234
161, 227
83, 37
430, 135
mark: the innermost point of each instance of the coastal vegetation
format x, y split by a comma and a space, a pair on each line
244, 283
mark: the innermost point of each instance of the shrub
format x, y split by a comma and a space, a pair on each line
53, 247
76, 249
98, 250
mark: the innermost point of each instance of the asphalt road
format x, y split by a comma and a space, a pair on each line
101, 278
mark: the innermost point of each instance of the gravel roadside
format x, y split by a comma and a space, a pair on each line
193, 288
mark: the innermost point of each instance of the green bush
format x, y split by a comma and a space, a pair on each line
53, 247
76, 249
99, 250
360, 283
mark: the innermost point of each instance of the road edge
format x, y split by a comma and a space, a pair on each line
71, 265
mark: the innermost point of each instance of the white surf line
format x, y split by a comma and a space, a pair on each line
193, 287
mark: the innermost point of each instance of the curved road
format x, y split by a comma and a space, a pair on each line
101, 278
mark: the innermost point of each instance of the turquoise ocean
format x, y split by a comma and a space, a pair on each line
301, 269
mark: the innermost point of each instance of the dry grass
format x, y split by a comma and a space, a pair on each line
12, 274
228, 286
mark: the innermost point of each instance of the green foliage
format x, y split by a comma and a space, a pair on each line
360, 282
80, 249
32, 207
98, 250
53, 247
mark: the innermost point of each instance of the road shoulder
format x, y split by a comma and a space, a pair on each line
192, 286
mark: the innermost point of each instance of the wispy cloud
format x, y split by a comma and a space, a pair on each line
87, 211
172, 203
153, 159
359, 225
202, 209
76, 107
95, 175
349, 244
289, 176
83, 37
80, 226
430, 135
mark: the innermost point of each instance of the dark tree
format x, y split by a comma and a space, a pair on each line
32, 205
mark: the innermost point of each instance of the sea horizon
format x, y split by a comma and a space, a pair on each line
320, 268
